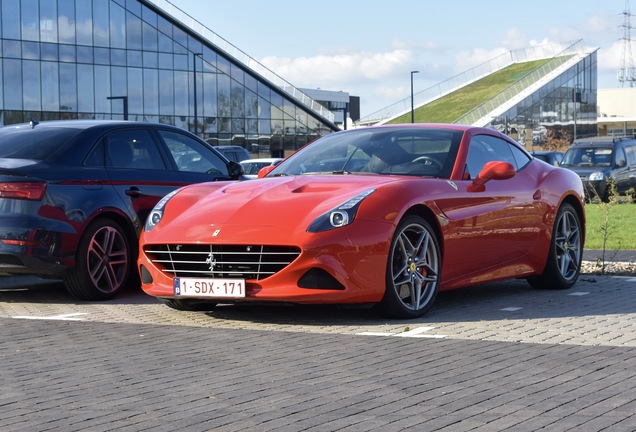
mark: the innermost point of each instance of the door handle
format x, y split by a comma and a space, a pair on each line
134, 192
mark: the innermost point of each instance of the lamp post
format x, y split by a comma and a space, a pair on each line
194, 73
125, 102
412, 107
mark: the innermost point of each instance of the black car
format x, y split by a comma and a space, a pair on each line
74, 196
551, 157
600, 160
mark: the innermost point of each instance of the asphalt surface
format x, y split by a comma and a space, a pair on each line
497, 357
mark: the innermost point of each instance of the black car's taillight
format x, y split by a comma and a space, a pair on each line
23, 190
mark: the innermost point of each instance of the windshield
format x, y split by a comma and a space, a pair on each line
412, 151
588, 157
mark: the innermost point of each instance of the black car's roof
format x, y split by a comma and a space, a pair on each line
601, 141
77, 124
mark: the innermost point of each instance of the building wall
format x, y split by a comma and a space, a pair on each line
66, 59
563, 109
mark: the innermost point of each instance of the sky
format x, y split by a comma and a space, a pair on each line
368, 47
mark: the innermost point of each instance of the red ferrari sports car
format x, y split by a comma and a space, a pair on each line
385, 215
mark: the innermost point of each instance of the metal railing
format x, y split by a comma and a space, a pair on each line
240, 56
463, 79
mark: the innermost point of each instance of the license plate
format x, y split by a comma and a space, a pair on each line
213, 288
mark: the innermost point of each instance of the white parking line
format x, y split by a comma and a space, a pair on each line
65, 317
579, 293
511, 309
419, 332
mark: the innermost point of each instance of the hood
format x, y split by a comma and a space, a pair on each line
258, 208
584, 172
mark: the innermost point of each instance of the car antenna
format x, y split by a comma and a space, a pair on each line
33, 122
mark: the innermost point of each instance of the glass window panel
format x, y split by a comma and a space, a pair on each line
181, 92
209, 95
181, 62
224, 125
238, 125
151, 92
84, 54
224, 96
83, 19
251, 104
264, 91
50, 52
10, 19
223, 65
48, 21
32, 85
12, 49
133, 32
164, 26
210, 125
12, 83
149, 37
237, 73
66, 21
86, 87
31, 50
209, 57
29, 20
194, 45
251, 82
264, 109
238, 100
101, 25
135, 86
50, 86
165, 61
165, 43
118, 57
134, 6
67, 53
118, 82
68, 87
102, 56
151, 59
135, 58
180, 38
117, 26
1, 89
166, 92
149, 16
102, 91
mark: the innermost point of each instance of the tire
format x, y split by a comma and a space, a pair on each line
563, 266
104, 262
191, 306
413, 270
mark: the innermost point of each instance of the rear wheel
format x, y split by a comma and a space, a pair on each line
104, 262
566, 252
413, 270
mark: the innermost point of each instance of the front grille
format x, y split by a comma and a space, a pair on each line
221, 261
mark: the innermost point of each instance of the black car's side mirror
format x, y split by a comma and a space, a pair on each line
621, 163
235, 169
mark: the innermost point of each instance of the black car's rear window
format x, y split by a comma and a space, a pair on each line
38, 144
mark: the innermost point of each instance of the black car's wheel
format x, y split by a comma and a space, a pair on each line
413, 270
566, 252
185, 305
104, 262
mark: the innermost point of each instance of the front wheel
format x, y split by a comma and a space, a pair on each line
104, 262
413, 270
566, 252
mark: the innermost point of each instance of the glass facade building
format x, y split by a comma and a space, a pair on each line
560, 111
116, 59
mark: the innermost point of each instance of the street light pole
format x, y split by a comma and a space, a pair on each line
412, 107
124, 101
196, 114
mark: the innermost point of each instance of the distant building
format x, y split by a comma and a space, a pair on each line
340, 103
145, 60
617, 111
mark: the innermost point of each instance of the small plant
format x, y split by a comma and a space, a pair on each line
606, 225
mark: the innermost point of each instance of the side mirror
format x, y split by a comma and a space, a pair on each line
265, 170
494, 170
235, 170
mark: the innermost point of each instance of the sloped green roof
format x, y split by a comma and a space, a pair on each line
454, 105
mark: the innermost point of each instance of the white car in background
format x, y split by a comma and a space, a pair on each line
251, 167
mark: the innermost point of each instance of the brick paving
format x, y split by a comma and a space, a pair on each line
499, 357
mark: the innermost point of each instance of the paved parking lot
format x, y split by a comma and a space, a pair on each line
495, 357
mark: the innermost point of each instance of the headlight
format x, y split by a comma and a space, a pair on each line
339, 216
157, 212
596, 176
